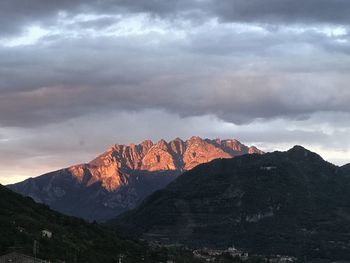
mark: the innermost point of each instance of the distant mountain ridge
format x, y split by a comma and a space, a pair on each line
177, 155
289, 203
124, 175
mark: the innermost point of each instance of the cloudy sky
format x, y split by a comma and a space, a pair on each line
78, 76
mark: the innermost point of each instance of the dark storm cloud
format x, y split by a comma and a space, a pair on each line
210, 72
241, 100
284, 11
267, 11
16, 14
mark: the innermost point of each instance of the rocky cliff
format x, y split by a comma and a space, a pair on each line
124, 175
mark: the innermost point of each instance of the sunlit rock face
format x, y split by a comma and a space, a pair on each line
111, 167
159, 157
124, 175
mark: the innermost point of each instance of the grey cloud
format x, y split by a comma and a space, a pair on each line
268, 11
66, 78
67, 63
233, 41
242, 100
285, 11
97, 23
15, 14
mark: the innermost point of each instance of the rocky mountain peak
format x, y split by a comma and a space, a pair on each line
304, 155
158, 158
162, 144
147, 144
195, 138
119, 178
298, 149
178, 146
253, 150
177, 155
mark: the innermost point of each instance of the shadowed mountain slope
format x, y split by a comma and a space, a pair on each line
73, 240
292, 203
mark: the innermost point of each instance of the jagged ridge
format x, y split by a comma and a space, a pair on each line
121, 177
112, 166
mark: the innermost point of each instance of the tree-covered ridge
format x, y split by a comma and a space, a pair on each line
290, 203
73, 240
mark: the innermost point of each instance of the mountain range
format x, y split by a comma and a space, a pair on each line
190, 193
286, 203
120, 178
